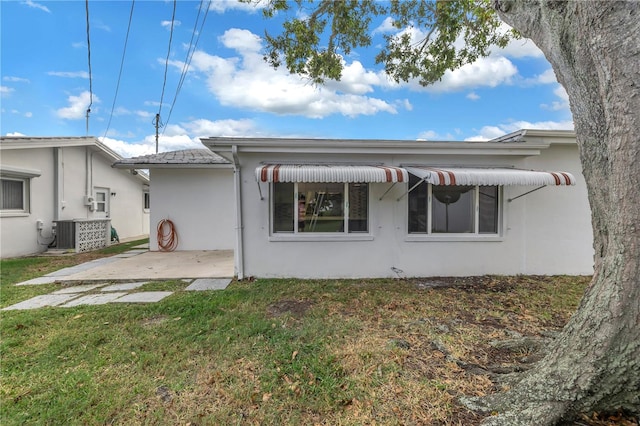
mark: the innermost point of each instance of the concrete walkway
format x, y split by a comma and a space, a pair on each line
117, 279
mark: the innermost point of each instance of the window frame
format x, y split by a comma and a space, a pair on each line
146, 200
297, 235
26, 196
476, 235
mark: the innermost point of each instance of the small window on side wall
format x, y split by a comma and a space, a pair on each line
329, 208
14, 195
145, 200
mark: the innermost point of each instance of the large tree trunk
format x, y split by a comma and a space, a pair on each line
594, 365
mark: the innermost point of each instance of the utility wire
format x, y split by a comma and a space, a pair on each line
89, 55
124, 51
166, 67
190, 51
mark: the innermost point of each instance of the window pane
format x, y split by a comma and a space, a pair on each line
358, 207
417, 206
488, 206
283, 207
324, 207
452, 209
146, 200
12, 195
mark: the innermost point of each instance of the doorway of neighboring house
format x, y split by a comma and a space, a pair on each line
102, 202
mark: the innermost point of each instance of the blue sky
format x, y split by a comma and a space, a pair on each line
228, 90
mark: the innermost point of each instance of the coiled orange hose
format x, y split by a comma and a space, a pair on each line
167, 241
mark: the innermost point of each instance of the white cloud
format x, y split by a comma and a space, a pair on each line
167, 24
28, 114
562, 104
491, 132
77, 108
473, 96
127, 149
485, 72
5, 90
15, 79
523, 48
69, 74
221, 6
246, 81
386, 27
15, 134
35, 5
182, 136
547, 77
431, 135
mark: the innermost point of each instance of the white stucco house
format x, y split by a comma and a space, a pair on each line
317, 208
61, 192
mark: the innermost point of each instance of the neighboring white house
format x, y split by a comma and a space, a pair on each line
194, 190
62, 192
318, 208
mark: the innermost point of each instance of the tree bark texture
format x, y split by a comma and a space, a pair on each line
594, 364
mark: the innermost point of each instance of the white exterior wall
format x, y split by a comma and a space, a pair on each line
19, 235
546, 232
559, 237
200, 203
126, 211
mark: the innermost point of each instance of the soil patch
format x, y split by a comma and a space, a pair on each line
295, 308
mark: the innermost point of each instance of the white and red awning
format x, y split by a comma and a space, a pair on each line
489, 176
330, 173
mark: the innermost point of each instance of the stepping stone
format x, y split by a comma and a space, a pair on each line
203, 284
78, 289
94, 299
123, 286
144, 297
42, 301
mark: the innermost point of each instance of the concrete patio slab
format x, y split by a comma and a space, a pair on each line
123, 286
155, 265
144, 297
42, 301
204, 284
93, 299
82, 267
39, 280
77, 289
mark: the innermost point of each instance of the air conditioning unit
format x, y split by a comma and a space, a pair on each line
65, 234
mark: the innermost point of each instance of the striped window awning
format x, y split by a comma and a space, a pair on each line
489, 176
330, 173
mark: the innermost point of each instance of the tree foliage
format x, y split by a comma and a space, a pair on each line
433, 36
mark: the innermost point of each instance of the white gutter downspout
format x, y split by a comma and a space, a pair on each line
239, 255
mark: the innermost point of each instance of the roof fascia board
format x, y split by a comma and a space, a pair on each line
550, 137
170, 166
33, 143
328, 146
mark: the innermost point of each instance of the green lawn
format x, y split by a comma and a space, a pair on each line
348, 352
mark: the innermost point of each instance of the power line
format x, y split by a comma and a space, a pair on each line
190, 51
89, 57
124, 51
166, 67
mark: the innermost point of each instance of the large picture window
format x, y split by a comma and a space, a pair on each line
452, 209
14, 195
302, 208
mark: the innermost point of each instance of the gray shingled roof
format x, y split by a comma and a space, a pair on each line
186, 157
